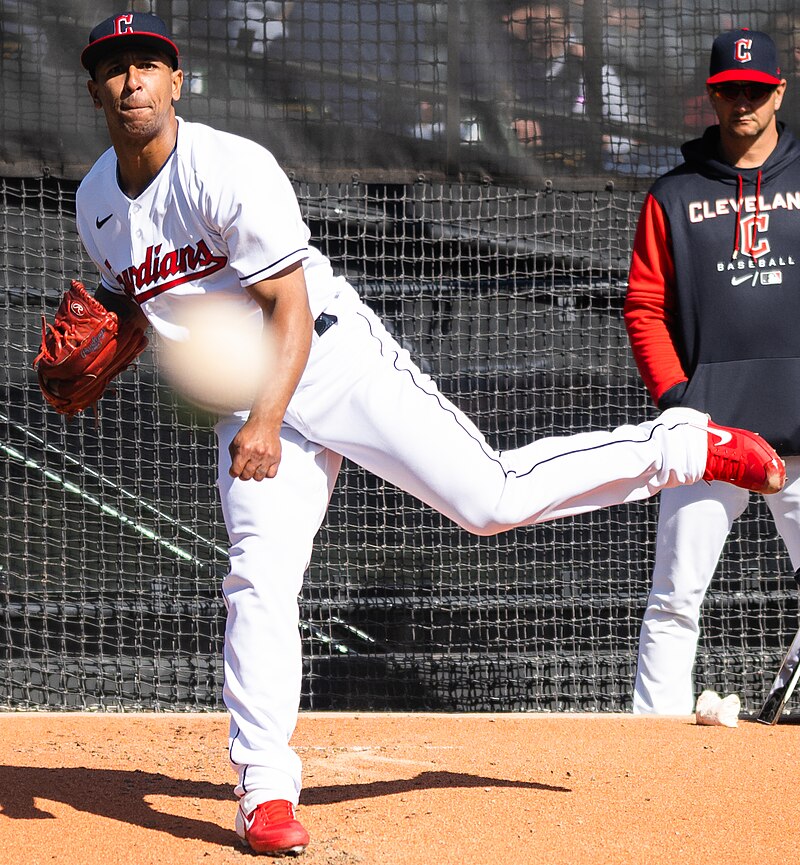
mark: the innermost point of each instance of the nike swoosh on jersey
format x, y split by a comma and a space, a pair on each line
723, 435
101, 222
737, 280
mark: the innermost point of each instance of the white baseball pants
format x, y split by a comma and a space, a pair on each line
693, 524
362, 397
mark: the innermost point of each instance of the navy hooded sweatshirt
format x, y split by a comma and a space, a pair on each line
713, 303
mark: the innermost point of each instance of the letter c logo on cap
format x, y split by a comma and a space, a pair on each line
741, 50
122, 24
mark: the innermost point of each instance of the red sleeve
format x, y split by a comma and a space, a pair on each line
650, 303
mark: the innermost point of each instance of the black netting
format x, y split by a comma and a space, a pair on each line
112, 547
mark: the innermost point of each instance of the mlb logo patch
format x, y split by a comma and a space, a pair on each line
772, 277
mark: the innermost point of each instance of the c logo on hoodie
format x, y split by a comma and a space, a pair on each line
753, 242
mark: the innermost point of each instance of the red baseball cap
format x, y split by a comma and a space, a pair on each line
744, 55
128, 29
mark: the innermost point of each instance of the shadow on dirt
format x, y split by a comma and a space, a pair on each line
331, 794
123, 795
116, 794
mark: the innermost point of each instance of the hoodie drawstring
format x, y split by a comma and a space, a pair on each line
739, 199
737, 240
758, 204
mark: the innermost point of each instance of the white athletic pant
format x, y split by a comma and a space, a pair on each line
361, 397
693, 524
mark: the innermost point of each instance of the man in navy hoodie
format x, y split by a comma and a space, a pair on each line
712, 314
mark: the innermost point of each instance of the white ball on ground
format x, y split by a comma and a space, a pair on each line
222, 354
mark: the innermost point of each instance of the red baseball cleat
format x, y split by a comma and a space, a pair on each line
272, 828
744, 459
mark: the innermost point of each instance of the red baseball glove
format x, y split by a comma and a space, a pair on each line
83, 350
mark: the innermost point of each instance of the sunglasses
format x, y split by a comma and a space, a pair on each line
752, 92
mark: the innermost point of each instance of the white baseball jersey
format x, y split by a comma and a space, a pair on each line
220, 216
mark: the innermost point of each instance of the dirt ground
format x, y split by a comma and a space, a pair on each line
406, 790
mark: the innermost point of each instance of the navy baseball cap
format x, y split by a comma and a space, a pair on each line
744, 55
128, 29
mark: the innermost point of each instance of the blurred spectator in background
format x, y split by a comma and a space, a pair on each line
547, 71
628, 47
548, 67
